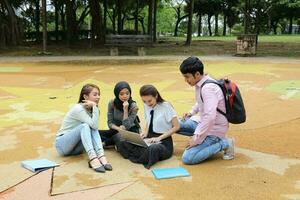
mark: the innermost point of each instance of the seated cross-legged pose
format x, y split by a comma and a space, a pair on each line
122, 114
161, 123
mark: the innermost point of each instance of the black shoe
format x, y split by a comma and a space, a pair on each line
107, 166
100, 169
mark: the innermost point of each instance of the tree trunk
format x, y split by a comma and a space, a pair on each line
257, 22
104, 18
102, 29
177, 22
123, 21
136, 18
114, 15
269, 24
37, 20
44, 8
274, 26
247, 17
216, 24
71, 22
56, 20
190, 24
2, 36
96, 28
199, 24
209, 25
154, 20
63, 21
150, 18
62, 18
291, 25
224, 26
143, 25
119, 13
15, 37
258, 30
92, 39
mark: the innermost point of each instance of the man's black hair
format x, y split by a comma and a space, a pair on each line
191, 65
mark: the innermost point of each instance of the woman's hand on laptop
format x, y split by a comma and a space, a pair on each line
155, 140
143, 135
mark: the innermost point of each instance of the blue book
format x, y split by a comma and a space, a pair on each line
38, 165
163, 173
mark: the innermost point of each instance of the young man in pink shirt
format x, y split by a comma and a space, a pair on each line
209, 128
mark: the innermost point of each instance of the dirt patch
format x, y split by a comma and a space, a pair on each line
87, 179
29, 138
280, 139
213, 179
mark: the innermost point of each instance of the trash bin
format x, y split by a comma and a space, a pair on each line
246, 45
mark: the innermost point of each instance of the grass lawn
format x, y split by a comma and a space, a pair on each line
261, 38
282, 46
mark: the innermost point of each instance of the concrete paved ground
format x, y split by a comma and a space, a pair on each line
36, 92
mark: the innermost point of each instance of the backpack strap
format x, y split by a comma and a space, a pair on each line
230, 92
215, 82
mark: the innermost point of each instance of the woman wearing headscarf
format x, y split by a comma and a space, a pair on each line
122, 114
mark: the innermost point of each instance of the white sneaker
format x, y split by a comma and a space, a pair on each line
229, 152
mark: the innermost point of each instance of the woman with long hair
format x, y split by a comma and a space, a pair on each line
79, 130
161, 123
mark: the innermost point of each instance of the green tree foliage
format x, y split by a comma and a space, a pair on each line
72, 20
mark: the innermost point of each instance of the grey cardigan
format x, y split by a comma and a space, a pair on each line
115, 116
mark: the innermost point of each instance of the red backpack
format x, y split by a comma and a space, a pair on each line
235, 110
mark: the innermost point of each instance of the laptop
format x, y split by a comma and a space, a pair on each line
135, 138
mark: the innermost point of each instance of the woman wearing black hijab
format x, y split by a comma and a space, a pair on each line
122, 113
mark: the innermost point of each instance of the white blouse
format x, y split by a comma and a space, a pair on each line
163, 115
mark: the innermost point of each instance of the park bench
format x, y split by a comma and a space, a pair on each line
136, 41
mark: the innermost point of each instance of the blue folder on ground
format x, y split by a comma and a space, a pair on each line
38, 165
162, 173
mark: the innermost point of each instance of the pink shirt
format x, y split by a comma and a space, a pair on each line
211, 121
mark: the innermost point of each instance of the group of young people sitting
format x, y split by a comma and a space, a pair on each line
206, 127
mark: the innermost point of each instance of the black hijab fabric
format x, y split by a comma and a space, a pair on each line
117, 102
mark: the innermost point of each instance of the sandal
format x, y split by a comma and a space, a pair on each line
106, 166
98, 169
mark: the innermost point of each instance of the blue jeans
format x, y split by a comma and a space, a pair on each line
209, 147
81, 138
187, 127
